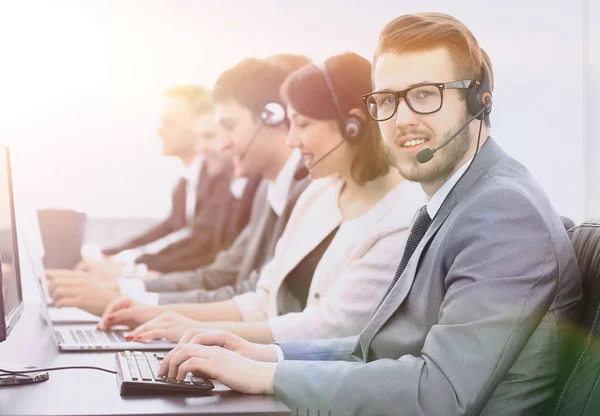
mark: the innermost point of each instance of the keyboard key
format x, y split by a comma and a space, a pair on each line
198, 381
123, 366
119, 335
103, 338
143, 366
59, 337
112, 338
153, 363
131, 364
92, 336
80, 336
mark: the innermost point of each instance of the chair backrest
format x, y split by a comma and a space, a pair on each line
63, 234
579, 393
568, 223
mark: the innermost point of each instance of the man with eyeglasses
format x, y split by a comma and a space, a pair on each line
470, 324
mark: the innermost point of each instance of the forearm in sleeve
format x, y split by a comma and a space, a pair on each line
204, 296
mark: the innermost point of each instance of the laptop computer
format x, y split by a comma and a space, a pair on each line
85, 337
77, 337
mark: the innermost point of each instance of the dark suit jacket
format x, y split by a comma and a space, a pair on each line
236, 270
175, 221
472, 324
218, 219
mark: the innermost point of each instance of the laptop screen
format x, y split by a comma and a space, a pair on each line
11, 296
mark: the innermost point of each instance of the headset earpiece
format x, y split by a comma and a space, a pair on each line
273, 114
351, 125
480, 94
352, 128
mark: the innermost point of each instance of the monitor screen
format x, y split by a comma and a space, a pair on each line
11, 296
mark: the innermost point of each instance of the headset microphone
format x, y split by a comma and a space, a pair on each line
425, 155
271, 116
303, 172
351, 126
479, 104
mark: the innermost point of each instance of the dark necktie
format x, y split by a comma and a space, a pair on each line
417, 232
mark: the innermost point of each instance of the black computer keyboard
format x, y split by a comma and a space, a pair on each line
136, 374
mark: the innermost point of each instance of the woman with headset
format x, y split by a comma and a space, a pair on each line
332, 264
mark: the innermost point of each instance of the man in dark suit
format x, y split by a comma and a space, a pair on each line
237, 269
204, 211
201, 200
470, 324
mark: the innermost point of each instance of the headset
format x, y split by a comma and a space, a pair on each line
351, 125
272, 115
479, 104
479, 97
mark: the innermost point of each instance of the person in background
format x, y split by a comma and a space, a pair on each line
331, 266
204, 211
240, 96
188, 132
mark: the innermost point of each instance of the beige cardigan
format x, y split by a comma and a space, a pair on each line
353, 274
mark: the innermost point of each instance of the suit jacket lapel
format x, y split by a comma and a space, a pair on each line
321, 218
488, 155
398, 293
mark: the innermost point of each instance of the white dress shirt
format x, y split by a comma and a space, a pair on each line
278, 191
277, 196
191, 175
237, 187
436, 201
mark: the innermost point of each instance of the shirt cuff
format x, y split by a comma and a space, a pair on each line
280, 356
131, 286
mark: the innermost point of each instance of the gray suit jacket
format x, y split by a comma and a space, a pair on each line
237, 269
471, 326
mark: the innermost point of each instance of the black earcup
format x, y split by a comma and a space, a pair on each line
480, 95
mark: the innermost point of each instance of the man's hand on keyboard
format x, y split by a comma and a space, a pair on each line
169, 325
232, 342
230, 368
129, 312
81, 290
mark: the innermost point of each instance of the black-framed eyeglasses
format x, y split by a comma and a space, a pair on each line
421, 99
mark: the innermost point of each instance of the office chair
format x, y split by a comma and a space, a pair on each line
578, 391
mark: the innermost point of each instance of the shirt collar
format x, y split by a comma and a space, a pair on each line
237, 187
191, 174
278, 191
436, 201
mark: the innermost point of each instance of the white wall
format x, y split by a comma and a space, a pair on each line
85, 79
593, 106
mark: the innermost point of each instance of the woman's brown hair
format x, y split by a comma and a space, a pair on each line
307, 92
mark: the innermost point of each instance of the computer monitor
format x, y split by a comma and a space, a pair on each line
11, 293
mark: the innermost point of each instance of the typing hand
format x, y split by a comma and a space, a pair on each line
73, 288
231, 342
230, 368
129, 312
104, 269
169, 325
